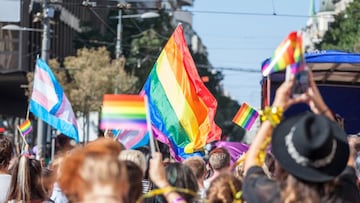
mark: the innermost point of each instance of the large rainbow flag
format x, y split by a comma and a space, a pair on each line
182, 109
289, 52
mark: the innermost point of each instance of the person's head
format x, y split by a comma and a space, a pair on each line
26, 180
135, 176
225, 188
63, 143
134, 156
219, 159
197, 166
181, 176
104, 146
86, 174
312, 149
6, 148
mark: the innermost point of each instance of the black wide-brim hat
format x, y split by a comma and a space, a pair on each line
310, 147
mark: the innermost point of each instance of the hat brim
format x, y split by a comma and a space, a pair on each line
309, 173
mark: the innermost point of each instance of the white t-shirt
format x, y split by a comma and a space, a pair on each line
57, 195
5, 180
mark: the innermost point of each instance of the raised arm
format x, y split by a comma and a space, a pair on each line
158, 176
271, 116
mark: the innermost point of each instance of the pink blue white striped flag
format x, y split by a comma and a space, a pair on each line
49, 103
133, 139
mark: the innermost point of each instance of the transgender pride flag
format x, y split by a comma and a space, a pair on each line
133, 139
49, 103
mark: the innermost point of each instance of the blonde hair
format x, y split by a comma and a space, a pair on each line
225, 188
103, 170
85, 169
134, 156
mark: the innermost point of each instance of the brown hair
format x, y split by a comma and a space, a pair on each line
224, 189
219, 158
295, 190
135, 175
197, 166
25, 181
6, 148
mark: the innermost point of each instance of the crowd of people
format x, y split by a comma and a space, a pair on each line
304, 158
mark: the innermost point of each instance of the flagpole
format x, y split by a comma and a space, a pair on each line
41, 126
148, 124
21, 134
27, 112
117, 135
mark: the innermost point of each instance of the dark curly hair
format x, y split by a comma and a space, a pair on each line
6, 148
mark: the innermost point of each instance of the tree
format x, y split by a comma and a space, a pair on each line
88, 76
344, 32
142, 42
227, 107
95, 74
143, 54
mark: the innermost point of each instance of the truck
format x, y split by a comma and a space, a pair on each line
337, 75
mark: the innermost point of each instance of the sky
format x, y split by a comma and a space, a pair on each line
236, 40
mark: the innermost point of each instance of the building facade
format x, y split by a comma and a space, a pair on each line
318, 22
19, 49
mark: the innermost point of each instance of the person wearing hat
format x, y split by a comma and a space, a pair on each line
311, 152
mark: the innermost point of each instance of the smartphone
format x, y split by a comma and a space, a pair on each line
301, 83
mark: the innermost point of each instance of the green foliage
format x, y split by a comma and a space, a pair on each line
227, 107
144, 47
344, 32
142, 42
95, 74
144, 51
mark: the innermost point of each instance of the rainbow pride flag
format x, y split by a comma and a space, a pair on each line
299, 59
289, 52
181, 108
25, 128
246, 116
123, 111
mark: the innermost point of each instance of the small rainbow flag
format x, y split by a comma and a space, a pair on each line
123, 111
288, 52
246, 116
25, 128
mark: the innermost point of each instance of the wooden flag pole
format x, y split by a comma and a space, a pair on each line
148, 124
21, 134
27, 112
